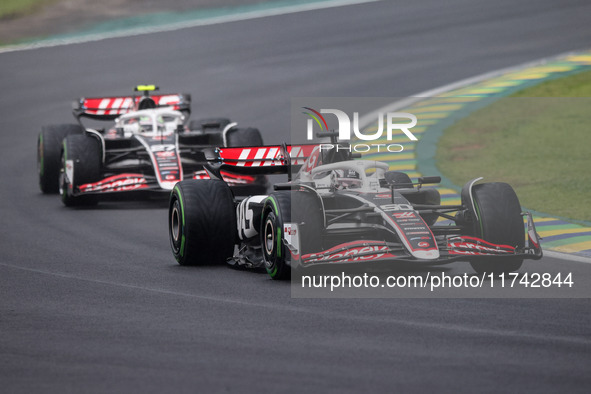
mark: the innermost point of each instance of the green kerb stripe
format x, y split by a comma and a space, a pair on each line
568, 241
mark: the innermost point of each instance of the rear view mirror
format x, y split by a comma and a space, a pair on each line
429, 179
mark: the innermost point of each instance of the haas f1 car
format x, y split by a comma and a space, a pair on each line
340, 210
150, 146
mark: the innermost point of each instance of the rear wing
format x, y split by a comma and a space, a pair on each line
260, 160
109, 108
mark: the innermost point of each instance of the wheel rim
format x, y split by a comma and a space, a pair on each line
269, 237
175, 223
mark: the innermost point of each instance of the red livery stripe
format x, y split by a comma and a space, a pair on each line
264, 156
123, 104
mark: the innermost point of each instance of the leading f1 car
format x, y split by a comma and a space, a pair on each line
149, 146
339, 210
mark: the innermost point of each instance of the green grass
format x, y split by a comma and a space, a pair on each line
538, 140
578, 85
15, 8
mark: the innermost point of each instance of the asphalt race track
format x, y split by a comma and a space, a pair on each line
92, 300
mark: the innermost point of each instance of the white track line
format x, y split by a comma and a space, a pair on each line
567, 256
294, 307
186, 24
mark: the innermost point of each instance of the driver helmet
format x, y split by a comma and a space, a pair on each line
146, 124
146, 103
348, 179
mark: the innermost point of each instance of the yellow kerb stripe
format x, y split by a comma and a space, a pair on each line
573, 247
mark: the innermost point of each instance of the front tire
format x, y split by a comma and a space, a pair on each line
499, 222
202, 222
49, 146
83, 154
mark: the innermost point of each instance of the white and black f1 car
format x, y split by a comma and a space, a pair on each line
149, 148
340, 210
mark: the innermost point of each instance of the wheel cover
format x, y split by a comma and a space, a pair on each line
175, 225
269, 236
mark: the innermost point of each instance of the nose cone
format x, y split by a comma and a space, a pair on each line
426, 254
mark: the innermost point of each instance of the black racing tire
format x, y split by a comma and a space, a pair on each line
49, 147
84, 152
248, 137
276, 212
244, 137
499, 222
202, 222
208, 123
305, 208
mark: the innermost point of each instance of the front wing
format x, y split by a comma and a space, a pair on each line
131, 182
451, 249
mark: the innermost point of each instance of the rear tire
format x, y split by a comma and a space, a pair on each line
49, 146
202, 222
280, 208
500, 222
276, 212
248, 137
83, 152
244, 137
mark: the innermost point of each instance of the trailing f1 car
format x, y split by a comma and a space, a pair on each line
149, 148
340, 210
